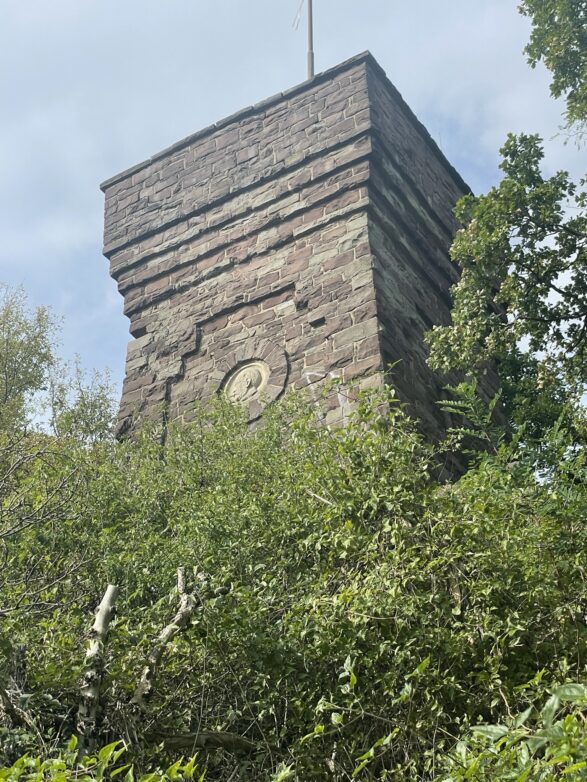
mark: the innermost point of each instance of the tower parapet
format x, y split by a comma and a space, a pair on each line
301, 239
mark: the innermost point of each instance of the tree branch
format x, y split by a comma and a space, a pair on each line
204, 739
187, 605
94, 672
18, 717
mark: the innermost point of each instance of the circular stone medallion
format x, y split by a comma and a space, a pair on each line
252, 375
247, 382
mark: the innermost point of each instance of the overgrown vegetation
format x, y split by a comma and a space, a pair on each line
359, 617
295, 602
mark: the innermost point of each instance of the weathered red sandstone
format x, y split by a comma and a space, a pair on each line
301, 239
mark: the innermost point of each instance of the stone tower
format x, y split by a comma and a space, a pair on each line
300, 239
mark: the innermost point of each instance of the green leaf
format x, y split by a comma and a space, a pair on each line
190, 767
283, 772
522, 718
575, 767
550, 709
106, 753
173, 771
423, 665
571, 692
120, 770
492, 732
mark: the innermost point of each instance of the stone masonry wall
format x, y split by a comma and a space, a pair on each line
246, 243
412, 190
302, 239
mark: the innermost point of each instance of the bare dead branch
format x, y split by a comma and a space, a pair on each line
187, 605
94, 671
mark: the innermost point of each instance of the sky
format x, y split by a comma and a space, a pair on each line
91, 87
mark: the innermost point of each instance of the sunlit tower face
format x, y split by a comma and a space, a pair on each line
300, 240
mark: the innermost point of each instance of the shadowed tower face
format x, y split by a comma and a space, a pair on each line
301, 239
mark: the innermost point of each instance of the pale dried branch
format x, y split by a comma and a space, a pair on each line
187, 605
94, 671
190, 600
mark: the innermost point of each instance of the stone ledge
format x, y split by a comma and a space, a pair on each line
364, 57
112, 247
136, 304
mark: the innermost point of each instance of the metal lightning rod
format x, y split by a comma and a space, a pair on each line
310, 33
310, 40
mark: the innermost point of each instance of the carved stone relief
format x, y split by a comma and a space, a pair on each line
254, 375
247, 382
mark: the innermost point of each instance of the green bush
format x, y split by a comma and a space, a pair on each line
366, 614
108, 763
543, 745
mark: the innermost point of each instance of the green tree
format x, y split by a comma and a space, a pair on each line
81, 405
559, 40
521, 300
38, 390
27, 342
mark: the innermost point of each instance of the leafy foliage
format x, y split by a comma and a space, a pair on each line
26, 355
545, 745
108, 763
81, 405
522, 297
369, 615
559, 39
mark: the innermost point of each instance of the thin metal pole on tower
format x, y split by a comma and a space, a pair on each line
310, 40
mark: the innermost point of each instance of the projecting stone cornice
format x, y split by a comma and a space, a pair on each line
363, 57
242, 202
253, 148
